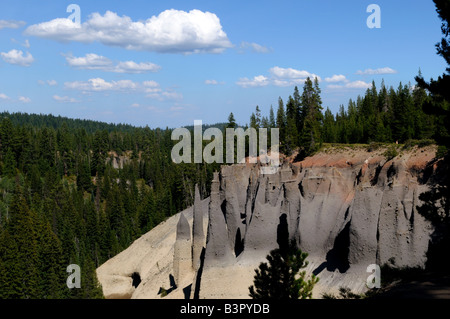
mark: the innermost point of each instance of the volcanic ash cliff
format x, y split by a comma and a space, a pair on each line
346, 208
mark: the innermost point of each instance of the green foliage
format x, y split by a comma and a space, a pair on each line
79, 192
391, 152
419, 143
281, 277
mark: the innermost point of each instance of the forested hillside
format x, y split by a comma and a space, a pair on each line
79, 192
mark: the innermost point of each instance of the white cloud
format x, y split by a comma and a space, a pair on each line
16, 57
64, 99
385, 70
279, 77
214, 82
171, 95
26, 44
290, 76
257, 81
93, 61
48, 82
351, 85
255, 47
99, 84
4, 96
24, 99
11, 24
135, 105
336, 78
358, 85
211, 82
150, 84
290, 73
151, 88
172, 31
133, 67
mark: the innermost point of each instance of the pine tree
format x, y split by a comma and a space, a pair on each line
310, 138
23, 232
231, 121
281, 123
9, 166
258, 117
281, 278
272, 122
329, 129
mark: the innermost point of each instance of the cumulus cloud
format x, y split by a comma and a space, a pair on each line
351, 85
17, 57
92, 61
64, 99
152, 89
133, 67
385, 70
290, 73
172, 31
257, 81
255, 47
4, 96
99, 85
279, 77
24, 99
11, 24
336, 78
290, 76
171, 95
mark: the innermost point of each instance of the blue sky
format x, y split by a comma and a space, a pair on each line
168, 63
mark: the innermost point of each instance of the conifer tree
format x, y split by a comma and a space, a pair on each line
281, 277
310, 138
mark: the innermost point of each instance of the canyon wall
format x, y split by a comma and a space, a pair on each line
347, 208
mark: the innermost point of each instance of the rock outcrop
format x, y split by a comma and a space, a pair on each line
198, 233
347, 209
182, 256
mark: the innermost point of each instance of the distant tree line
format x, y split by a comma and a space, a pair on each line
385, 115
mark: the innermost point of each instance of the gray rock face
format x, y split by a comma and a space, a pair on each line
218, 246
198, 234
347, 210
346, 214
182, 257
